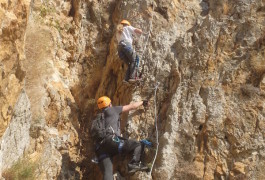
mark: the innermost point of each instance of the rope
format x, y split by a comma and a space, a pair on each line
148, 35
156, 87
157, 143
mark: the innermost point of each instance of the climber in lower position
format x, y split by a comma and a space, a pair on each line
125, 50
113, 143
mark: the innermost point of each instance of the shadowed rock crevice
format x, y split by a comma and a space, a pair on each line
74, 11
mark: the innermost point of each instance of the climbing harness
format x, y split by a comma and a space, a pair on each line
97, 159
120, 146
103, 156
120, 141
157, 143
115, 139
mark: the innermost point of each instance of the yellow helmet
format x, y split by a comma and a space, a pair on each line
103, 102
125, 22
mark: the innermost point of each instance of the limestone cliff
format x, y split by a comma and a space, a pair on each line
203, 68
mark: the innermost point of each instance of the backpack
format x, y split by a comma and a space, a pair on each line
98, 128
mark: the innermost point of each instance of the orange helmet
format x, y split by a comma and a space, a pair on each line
125, 22
103, 102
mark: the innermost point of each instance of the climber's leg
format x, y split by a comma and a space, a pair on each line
126, 52
106, 168
128, 55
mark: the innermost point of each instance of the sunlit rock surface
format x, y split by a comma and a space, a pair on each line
206, 59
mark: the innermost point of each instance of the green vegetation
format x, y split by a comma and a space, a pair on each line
57, 25
22, 170
44, 10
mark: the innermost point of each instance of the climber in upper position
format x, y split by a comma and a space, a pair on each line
125, 50
113, 143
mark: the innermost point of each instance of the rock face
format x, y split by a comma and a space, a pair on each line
16, 139
13, 18
203, 68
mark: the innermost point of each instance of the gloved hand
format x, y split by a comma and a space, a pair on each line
145, 103
146, 143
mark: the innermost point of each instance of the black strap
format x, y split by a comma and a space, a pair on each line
102, 156
103, 118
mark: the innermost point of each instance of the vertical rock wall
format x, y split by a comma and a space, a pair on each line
16, 139
205, 57
208, 58
13, 18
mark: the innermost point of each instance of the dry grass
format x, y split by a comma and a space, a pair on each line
22, 169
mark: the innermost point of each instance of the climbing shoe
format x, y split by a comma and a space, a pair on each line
133, 167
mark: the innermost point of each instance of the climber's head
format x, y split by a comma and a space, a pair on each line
103, 102
125, 23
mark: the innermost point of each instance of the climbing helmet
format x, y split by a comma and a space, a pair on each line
125, 22
103, 102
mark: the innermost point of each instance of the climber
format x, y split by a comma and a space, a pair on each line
125, 50
113, 143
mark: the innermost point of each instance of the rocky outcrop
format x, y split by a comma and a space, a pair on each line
16, 139
205, 59
13, 18
210, 70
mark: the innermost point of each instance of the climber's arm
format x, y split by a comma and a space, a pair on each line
138, 31
134, 105
131, 106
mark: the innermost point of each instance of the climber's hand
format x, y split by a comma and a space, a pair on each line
145, 103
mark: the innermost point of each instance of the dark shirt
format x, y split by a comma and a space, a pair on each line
112, 118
